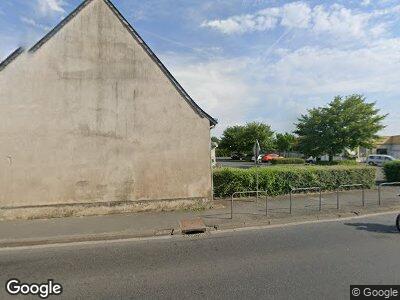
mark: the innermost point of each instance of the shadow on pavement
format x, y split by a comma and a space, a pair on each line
374, 227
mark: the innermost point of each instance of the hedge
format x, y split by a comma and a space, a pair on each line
392, 171
278, 180
288, 161
347, 162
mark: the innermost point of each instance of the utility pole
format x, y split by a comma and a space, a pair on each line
256, 152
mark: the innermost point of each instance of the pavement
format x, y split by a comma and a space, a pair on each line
247, 212
306, 261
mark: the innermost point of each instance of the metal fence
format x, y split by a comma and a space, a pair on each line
319, 190
380, 189
293, 190
341, 187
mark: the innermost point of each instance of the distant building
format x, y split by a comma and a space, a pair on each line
90, 114
389, 145
214, 147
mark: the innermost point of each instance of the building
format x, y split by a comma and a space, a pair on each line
214, 147
389, 145
90, 114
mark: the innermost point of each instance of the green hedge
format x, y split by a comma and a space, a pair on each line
288, 161
348, 162
278, 180
392, 171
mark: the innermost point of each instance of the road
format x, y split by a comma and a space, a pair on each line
227, 162
311, 261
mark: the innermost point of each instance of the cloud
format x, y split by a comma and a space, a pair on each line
219, 86
340, 21
28, 21
278, 91
32, 23
335, 19
296, 15
265, 19
47, 7
365, 2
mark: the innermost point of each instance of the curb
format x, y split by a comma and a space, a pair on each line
176, 232
86, 238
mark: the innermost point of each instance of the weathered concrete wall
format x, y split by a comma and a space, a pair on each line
90, 117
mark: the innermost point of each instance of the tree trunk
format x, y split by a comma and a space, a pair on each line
330, 157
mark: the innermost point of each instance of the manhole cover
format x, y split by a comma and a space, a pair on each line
192, 226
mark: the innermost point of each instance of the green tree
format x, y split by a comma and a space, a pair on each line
241, 138
348, 122
214, 139
285, 142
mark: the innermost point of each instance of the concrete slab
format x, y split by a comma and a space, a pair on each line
195, 225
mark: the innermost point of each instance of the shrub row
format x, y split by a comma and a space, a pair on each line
392, 171
278, 180
347, 162
288, 161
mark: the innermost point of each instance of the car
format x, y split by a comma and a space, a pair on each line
378, 159
311, 160
269, 157
259, 158
398, 222
237, 156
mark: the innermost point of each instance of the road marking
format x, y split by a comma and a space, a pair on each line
182, 237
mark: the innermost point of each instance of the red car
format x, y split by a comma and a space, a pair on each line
268, 157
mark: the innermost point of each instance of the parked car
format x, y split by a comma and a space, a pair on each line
398, 222
258, 159
237, 156
311, 160
379, 160
268, 157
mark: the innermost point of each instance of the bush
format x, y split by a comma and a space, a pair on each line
288, 161
392, 171
347, 162
278, 180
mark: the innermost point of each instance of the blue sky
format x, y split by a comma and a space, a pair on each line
246, 60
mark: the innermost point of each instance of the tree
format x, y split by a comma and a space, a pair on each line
285, 142
348, 122
214, 139
241, 138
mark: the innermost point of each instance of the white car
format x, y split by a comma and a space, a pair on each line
379, 159
259, 158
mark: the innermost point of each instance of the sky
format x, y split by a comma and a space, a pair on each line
253, 60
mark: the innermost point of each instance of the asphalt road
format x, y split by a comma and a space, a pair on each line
313, 261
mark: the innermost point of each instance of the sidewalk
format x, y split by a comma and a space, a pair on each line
247, 212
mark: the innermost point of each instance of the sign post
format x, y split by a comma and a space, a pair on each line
256, 152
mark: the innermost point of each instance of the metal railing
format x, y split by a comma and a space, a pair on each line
341, 187
250, 192
380, 188
292, 190
319, 190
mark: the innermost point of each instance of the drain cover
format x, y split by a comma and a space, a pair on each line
189, 226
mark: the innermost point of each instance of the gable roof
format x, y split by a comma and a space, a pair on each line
10, 58
391, 140
135, 35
